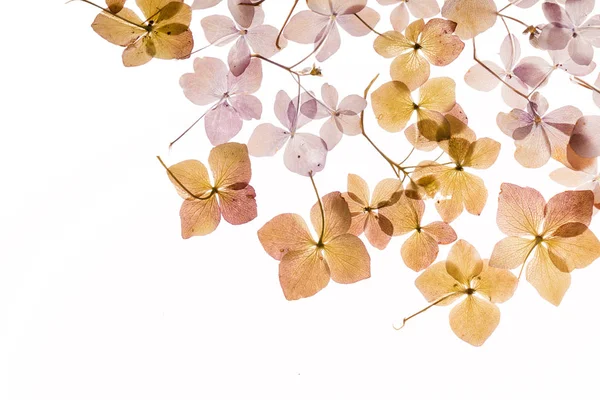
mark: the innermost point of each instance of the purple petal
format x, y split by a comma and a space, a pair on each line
510, 51
481, 79
305, 154
242, 14
247, 106
538, 105
351, 24
219, 29
330, 96
262, 40
332, 42
578, 10
208, 83
305, 26
222, 124
248, 82
580, 50
266, 140
563, 119
516, 123
585, 140
532, 70
352, 105
556, 14
348, 6
239, 57
331, 133
554, 37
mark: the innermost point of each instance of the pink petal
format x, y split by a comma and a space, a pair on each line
323, 7
554, 37
243, 15
538, 104
388, 2
596, 95
481, 79
262, 40
248, 82
555, 13
332, 42
305, 26
580, 50
516, 124
348, 6
305, 154
330, 133
202, 4
590, 30
579, 9
259, 17
423, 8
330, 96
222, 124
352, 105
534, 150
563, 119
570, 178
239, 57
349, 124
247, 106
510, 53
399, 17
511, 98
585, 140
266, 140
532, 70
524, 3
562, 60
208, 83
351, 24
219, 29
238, 206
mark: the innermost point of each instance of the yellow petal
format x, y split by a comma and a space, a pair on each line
171, 13
386, 193
482, 154
438, 94
199, 217
190, 179
115, 5
472, 16
474, 320
438, 43
139, 52
441, 232
550, 283
337, 216
391, 44
410, 68
413, 30
435, 282
358, 214
419, 251
151, 8
405, 215
173, 42
457, 189
230, 165
457, 148
392, 105
511, 252
498, 285
573, 250
358, 190
463, 262
520, 210
433, 125
302, 273
284, 233
348, 259
117, 31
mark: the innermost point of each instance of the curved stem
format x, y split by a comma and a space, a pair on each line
285, 24
525, 261
318, 46
436, 302
194, 124
180, 184
367, 25
584, 84
488, 69
541, 82
114, 15
513, 19
320, 206
288, 69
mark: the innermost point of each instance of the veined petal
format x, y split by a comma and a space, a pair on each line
392, 105
337, 216
303, 273
573, 246
199, 217
284, 233
347, 258
511, 252
474, 320
543, 275
463, 262
520, 210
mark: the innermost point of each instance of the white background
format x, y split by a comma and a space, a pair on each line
100, 298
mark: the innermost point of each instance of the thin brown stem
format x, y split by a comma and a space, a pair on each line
285, 24
191, 126
181, 184
320, 207
113, 14
488, 69
541, 82
438, 301
526, 258
513, 19
318, 46
367, 25
505, 7
585, 84
288, 69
